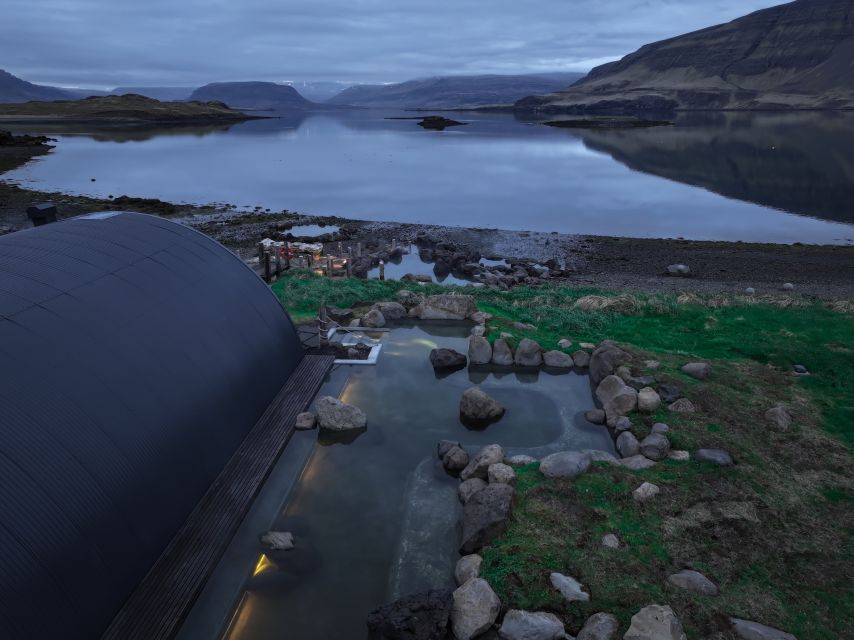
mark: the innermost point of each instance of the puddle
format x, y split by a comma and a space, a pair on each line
412, 263
374, 514
310, 230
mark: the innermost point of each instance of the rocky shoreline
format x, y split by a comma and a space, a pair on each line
631, 264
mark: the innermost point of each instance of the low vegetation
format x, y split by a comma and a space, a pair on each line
774, 532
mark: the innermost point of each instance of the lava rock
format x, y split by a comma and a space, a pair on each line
447, 360
486, 516
422, 616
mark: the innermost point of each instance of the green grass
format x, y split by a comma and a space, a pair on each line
779, 535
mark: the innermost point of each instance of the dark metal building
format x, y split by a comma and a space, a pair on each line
135, 355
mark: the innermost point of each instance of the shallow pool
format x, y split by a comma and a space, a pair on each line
374, 514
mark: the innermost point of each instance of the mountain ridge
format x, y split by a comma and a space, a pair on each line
790, 56
447, 92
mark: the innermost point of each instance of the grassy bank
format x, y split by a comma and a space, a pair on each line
774, 532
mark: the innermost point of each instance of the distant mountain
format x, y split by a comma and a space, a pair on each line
166, 94
792, 56
79, 94
319, 91
128, 109
454, 91
13, 89
255, 96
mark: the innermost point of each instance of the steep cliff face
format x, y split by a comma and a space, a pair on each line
796, 55
13, 89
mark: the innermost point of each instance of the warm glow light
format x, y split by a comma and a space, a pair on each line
263, 564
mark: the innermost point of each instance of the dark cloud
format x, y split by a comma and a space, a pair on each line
177, 42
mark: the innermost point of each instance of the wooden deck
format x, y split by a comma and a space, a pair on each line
161, 602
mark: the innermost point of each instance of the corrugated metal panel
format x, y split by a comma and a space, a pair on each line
136, 354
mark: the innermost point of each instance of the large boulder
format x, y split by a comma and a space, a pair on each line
558, 360
467, 567
374, 319
445, 306
409, 298
469, 487
581, 359
501, 473
502, 354
447, 360
698, 370
479, 408
627, 444
455, 460
486, 516
648, 400
422, 616
565, 464
655, 622
335, 415
605, 360
617, 397
695, 581
478, 466
531, 625
528, 354
599, 626
748, 630
655, 446
480, 351
475, 609
391, 310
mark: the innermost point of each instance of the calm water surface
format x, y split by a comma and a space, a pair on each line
766, 177
374, 514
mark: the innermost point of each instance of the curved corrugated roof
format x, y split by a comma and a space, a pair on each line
135, 354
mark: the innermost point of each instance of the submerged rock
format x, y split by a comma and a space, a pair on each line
335, 415
479, 408
475, 609
486, 516
422, 616
531, 625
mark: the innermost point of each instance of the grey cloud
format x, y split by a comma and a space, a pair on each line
112, 42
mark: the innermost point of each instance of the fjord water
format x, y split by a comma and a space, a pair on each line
373, 514
766, 177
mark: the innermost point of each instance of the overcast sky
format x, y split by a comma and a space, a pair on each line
105, 43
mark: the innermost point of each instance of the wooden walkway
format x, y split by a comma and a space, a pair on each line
161, 602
